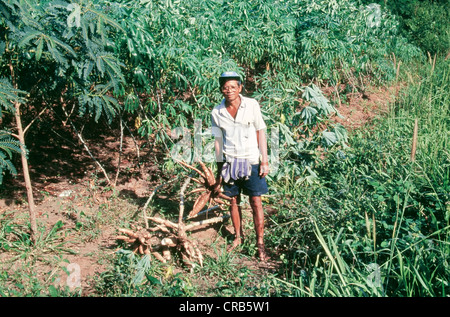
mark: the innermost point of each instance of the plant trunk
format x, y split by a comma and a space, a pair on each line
26, 174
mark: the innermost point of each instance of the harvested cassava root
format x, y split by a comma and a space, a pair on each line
153, 242
166, 236
140, 241
210, 190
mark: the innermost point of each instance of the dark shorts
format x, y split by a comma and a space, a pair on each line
255, 185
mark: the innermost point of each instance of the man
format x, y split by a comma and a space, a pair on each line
241, 154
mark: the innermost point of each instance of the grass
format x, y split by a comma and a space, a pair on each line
388, 214
374, 223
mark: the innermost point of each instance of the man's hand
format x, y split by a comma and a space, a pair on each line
264, 169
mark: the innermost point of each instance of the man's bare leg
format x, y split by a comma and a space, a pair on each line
236, 219
258, 220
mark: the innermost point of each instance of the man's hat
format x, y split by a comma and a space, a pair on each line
229, 76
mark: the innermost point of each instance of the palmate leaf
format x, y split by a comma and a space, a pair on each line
341, 133
30, 35
287, 134
308, 114
108, 63
95, 26
83, 68
105, 19
313, 94
2, 168
5, 162
98, 102
9, 95
338, 136
19, 10
110, 106
8, 146
329, 138
57, 49
142, 267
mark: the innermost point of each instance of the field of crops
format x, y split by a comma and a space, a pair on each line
103, 94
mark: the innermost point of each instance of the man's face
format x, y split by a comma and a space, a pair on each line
231, 90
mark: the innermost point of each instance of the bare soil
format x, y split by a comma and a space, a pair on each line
69, 188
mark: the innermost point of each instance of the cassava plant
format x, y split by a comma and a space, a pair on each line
8, 144
59, 54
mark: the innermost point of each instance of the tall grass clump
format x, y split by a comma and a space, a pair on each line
377, 222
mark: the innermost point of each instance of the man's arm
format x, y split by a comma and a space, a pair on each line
262, 145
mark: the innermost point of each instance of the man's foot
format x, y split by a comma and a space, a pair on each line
237, 242
262, 252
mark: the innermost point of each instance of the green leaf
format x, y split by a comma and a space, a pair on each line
308, 114
9, 95
39, 49
329, 138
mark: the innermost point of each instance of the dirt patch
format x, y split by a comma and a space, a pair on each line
69, 188
359, 109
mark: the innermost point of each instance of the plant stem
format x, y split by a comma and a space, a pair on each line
26, 174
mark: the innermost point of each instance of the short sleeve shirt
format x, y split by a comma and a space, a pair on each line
238, 134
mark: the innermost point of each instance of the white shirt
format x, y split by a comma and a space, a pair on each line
238, 134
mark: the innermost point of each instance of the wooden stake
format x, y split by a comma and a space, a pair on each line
414, 143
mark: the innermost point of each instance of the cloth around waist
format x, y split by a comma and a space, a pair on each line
236, 169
